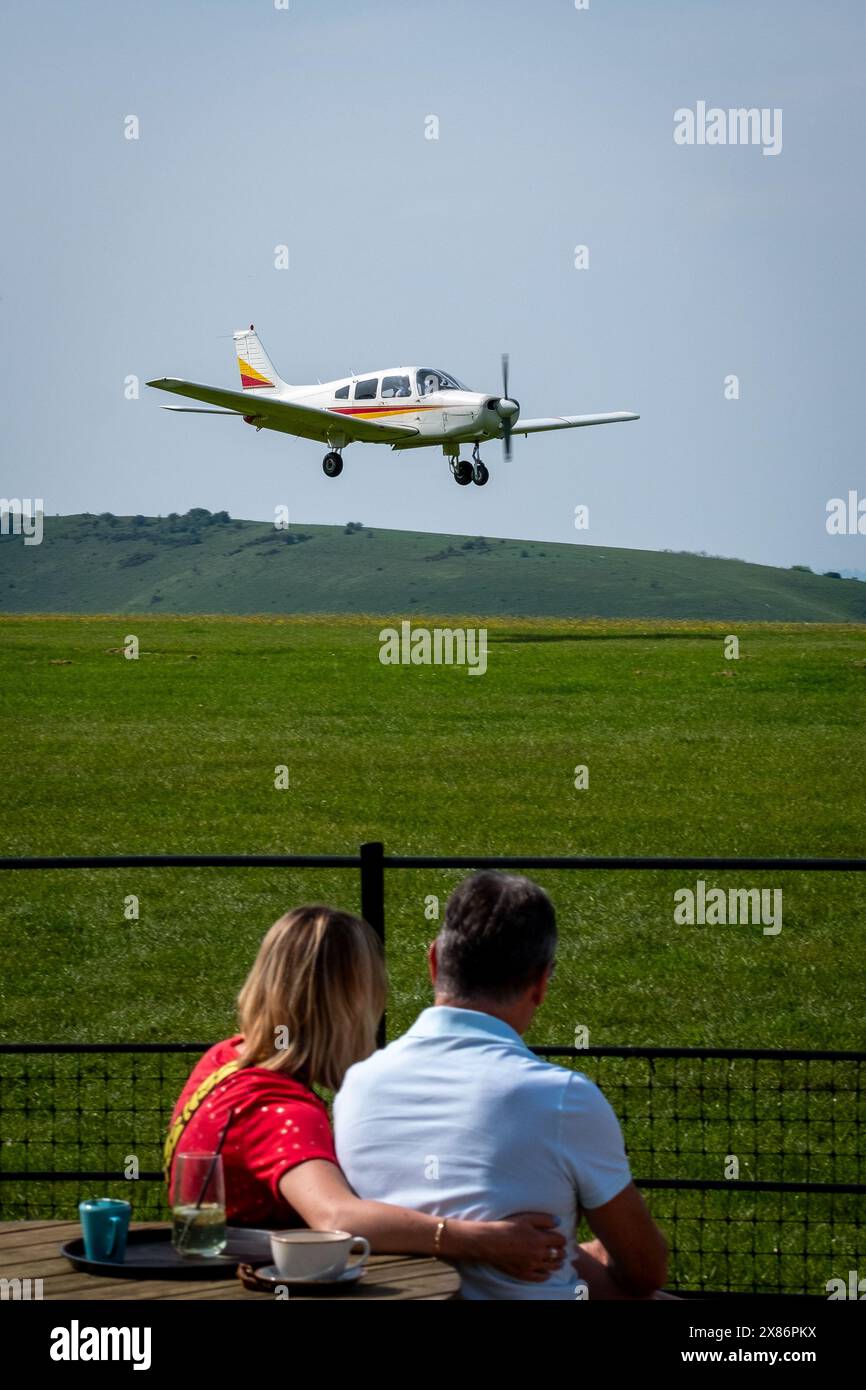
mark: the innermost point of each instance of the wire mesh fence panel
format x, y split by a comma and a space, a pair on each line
788, 1117
752, 1164
770, 1242
99, 1116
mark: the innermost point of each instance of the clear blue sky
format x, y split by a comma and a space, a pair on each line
306, 127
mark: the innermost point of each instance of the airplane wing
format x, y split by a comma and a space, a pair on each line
307, 421
570, 422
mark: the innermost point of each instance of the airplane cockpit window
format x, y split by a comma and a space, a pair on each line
342, 394
395, 386
366, 390
430, 381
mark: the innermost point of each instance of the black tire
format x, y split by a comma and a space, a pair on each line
332, 465
480, 474
462, 471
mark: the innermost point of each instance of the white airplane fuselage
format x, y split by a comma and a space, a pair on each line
441, 416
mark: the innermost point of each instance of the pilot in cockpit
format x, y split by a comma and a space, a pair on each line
431, 384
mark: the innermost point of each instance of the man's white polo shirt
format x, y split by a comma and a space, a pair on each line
458, 1118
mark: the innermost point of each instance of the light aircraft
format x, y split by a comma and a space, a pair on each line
406, 407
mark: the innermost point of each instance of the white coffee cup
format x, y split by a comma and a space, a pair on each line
316, 1254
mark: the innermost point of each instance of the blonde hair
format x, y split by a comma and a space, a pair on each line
312, 1001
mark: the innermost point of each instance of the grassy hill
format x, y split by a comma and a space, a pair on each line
209, 563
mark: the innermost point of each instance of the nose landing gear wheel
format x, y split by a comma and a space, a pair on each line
332, 465
462, 471
479, 473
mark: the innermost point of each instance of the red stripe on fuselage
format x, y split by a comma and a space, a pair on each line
382, 409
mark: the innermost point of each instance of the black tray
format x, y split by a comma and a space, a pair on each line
151, 1255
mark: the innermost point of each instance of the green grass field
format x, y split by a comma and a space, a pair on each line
688, 753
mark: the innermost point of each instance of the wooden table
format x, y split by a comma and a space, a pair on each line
31, 1250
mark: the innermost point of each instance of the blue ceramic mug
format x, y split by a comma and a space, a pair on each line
105, 1222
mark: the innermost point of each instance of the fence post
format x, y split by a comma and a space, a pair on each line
373, 899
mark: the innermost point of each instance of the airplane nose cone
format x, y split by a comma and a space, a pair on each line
507, 408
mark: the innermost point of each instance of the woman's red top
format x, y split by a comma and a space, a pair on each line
277, 1124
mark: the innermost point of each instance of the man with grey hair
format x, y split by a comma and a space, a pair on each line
459, 1118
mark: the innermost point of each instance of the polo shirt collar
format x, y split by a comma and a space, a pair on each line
442, 1020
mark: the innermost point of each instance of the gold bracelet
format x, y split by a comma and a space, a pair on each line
437, 1239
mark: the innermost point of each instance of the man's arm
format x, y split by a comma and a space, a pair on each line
637, 1251
634, 1259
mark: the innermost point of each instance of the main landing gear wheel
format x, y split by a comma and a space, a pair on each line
333, 465
462, 471
479, 473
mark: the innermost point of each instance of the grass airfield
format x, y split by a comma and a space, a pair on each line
688, 753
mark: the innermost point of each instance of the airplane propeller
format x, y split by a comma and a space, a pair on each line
507, 409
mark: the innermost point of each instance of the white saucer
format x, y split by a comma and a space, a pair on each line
348, 1276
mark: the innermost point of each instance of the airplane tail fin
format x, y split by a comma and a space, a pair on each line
256, 368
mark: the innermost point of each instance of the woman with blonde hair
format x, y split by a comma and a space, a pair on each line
309, 1009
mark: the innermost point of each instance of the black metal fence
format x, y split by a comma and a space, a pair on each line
752, 1160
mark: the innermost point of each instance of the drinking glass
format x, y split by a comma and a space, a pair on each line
198, 1204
